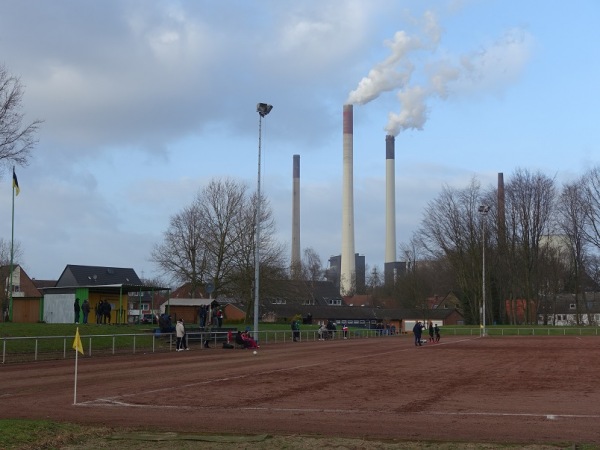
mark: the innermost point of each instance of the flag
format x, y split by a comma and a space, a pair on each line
77, 345
15, 182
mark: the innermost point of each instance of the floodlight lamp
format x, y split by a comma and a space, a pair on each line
263, 109
484, 209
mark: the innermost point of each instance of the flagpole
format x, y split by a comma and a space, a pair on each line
75, 391
12, 252
78, 347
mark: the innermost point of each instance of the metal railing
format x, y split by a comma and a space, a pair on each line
43, 348
522, 331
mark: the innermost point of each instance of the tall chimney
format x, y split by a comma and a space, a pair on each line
296, 264
390, 200
348, 265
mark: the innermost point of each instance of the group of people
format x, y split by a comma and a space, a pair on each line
327, 331
103, 310
204, 313
245, 340
82, 310
434, 332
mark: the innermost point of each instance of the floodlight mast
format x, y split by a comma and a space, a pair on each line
483, 210
262, 109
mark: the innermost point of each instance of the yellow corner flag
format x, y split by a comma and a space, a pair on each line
15, 183
77, 345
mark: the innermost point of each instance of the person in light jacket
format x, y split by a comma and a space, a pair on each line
181, 337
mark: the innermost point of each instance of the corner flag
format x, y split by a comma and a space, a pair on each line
15, 183
77, 345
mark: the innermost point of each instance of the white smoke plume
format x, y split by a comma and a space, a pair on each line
396, 70
486, 70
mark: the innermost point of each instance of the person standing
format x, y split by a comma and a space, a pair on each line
430, 329
181, 337
219, 318
417, 330
107, 310
295, 330
98, 311
85, 309
76, 309
437, 333
323, 332
202, 315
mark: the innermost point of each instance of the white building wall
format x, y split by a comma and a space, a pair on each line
58, 308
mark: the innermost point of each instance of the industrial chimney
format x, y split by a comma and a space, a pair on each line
390, 200
348, 264
296, 263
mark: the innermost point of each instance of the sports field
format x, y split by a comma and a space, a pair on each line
463, 389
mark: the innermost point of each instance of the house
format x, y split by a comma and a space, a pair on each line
188, 308
24, 305
94, 283
564, 310
321, 302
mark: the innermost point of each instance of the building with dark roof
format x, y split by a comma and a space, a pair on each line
112, 285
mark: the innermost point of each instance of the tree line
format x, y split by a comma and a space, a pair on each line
540, 241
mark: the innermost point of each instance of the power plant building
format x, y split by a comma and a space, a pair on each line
334, 272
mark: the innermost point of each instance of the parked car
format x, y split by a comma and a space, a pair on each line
149, 318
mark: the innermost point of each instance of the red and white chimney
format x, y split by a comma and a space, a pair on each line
348, 266
390, 199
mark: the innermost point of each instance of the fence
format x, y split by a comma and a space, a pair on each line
522, 331
42, 348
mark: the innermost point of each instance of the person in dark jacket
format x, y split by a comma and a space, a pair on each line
417, 330
76, 309
85, 309
295, 330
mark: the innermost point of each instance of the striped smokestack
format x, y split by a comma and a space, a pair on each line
390, 200
296, 266
348, 266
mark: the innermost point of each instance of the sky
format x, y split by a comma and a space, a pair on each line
145, 101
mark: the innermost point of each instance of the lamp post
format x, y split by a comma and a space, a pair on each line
483, 210
262, 109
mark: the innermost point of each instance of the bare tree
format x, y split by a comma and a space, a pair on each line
222, 204
571, 221
16, 138
182, 255
451, 230
374, 283
591, 198
213, 240
529, 204
312, 265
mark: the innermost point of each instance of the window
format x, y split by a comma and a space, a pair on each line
16, 288
572, 306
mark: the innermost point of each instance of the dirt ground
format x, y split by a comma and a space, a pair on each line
523, 390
